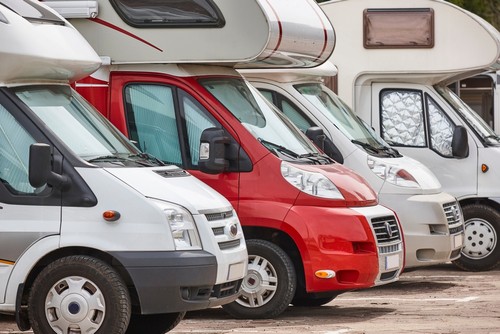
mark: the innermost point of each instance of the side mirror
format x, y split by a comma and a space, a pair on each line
212, 158
40, 168
317, 136
460, 142
39, 165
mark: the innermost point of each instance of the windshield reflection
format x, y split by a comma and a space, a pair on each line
260, 117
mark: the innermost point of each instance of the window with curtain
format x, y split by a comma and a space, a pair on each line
152, 122
14, 155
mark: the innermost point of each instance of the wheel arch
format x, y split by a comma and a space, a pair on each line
285, 242
481, 200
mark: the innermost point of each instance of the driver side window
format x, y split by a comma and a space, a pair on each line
14, 155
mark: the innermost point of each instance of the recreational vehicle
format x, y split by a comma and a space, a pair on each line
395, 61
313, 228
431, 219
95, 236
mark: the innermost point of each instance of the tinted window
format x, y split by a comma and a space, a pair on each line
169, 13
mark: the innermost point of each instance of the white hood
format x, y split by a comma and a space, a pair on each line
186, 191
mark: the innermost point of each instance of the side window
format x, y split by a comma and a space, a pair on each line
441, 129
289, 109
197, 119
402, 118
14, 155
151, 121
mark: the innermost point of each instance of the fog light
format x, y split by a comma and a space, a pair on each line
326, 274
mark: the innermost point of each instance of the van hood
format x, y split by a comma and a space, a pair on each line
172, 184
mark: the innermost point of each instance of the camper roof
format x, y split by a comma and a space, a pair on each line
446, 41
37, 44
327, 69
250, 33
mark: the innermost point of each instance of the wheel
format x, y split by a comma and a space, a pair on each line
310, 300
154, 323
79, 294
482, 228
270, 283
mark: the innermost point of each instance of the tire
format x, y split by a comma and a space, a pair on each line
154, 323
481, 249
81, 292
270, 283
311, 301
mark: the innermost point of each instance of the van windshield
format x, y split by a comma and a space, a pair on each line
261, 118
76, 123
470, 116
331, 106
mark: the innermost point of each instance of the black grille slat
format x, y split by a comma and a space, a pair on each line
218, 230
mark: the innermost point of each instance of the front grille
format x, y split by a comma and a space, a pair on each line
218, 216
386, 229
218, 230
388, 275
229, 244
389, 249
226, 289
453, 215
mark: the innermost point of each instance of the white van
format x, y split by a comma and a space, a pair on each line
431, 219
95, 236
395, 60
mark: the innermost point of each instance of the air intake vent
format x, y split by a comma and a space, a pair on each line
386, 229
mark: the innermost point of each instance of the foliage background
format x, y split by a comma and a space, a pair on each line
487, 9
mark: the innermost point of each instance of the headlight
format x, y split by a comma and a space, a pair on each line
392, 174
182, 225
315, 184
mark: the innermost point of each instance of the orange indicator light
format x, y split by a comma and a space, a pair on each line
484, 168
111, 215
325, 274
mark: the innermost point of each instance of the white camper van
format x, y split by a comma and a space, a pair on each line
395, 60
431, 219
314, 228
95, 236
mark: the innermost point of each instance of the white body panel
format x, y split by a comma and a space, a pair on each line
420, 210
30, 51
276, 33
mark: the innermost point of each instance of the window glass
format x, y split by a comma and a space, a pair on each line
260, 117
197, 119
169, 13
14, 155
151, 121
289, 109
398, 28
86, 132
441, 129
402, 117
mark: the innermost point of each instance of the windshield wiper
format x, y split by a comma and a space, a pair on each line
367, 146
115, 158
148, 157
279, 148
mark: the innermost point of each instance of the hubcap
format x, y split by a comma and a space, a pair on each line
260, 284
480, 239
75, 305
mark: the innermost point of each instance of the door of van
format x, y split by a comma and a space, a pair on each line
165, 118
27, 214
416, 121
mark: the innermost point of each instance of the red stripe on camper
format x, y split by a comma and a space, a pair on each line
325, 34
125, 32
280, 28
